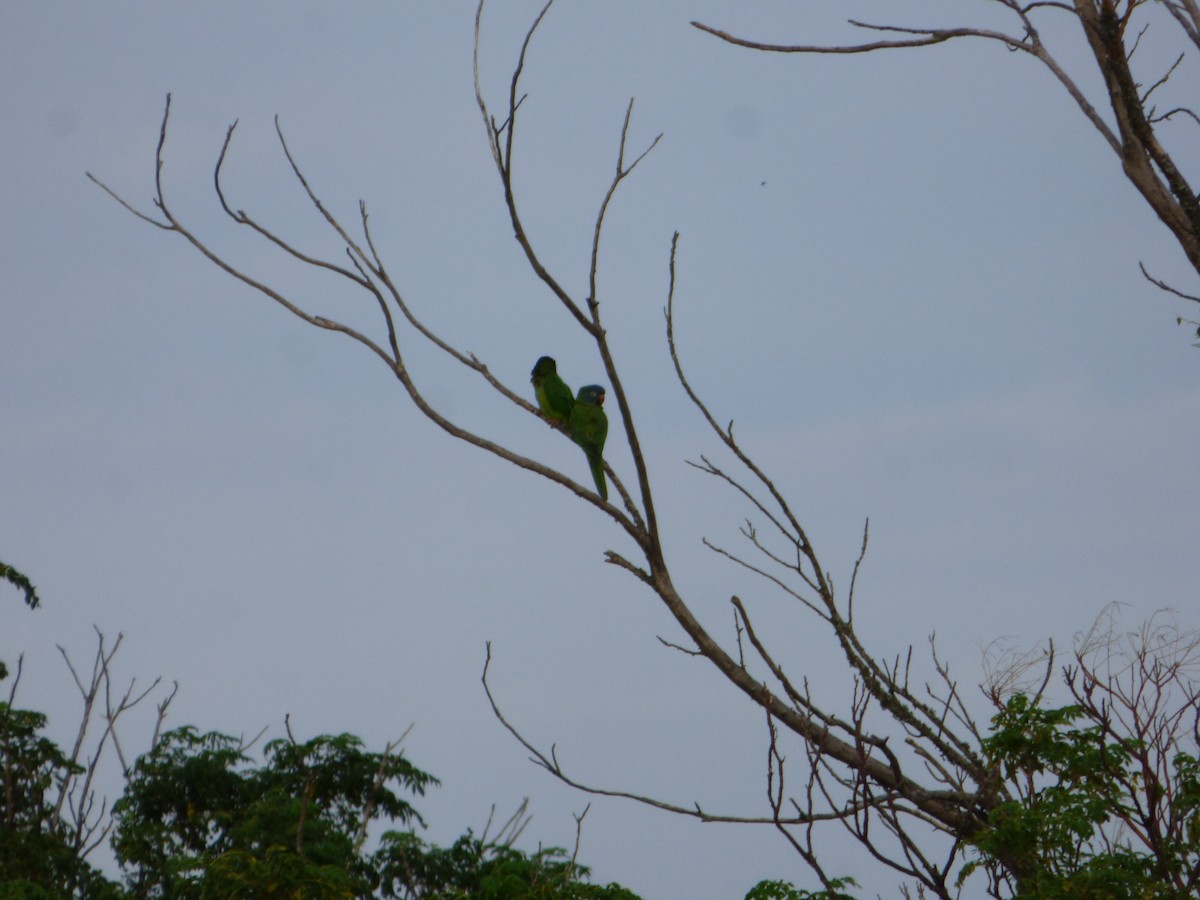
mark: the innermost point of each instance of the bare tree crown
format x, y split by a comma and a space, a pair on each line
904, 769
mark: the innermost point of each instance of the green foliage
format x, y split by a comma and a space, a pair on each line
277, 872
474, 868
177, 805
200, 819
1078, 782
784, 890
39, 853
22, 583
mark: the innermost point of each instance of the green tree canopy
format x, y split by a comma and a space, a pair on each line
200, 818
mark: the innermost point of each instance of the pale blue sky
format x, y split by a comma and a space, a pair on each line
929, 314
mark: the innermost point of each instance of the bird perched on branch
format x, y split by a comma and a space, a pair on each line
589, 429
553, 396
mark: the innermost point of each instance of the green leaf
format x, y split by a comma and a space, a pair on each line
22, 583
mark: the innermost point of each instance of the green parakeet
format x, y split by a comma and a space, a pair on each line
589, 429
553, 396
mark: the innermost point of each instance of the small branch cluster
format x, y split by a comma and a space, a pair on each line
78, 810
1142, 690
1109, 781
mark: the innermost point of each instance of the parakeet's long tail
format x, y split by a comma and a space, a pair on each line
596, 464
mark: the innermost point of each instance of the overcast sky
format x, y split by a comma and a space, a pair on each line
911, 279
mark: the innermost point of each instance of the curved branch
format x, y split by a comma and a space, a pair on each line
652, 544
548, 760
926, 37
502, 152
1162, 285
393, 359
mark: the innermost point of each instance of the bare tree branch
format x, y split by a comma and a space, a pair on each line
1131, 134
548, 760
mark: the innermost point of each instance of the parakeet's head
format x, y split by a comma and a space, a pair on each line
543, 367
591, 394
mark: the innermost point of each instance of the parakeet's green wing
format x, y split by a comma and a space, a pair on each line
589, 429
553, 396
